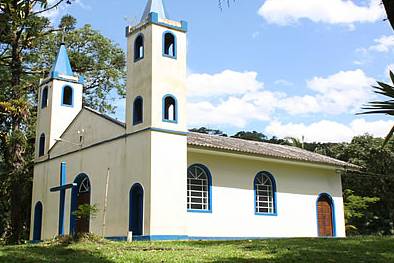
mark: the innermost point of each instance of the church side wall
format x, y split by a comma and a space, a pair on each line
233, 213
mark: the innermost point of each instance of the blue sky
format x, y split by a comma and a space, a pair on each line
282, 67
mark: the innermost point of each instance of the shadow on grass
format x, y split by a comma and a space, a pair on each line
49, 254
316, 250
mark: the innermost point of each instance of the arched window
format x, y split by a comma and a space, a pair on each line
138, 111
265, 194
41, 145
44, 97
139, 48
67, 96
169, 109
199, 184
169, 45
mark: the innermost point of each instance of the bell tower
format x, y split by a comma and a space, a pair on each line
156, 117
60, 100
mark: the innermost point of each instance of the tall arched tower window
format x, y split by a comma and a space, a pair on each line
138, 107
139, 48
169, 45
170, 109
44, 97
41, 145
67, 96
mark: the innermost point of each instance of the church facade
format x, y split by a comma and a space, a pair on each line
151, 178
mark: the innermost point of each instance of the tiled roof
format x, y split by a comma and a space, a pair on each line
267, 150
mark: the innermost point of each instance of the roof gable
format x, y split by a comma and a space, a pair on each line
88, 128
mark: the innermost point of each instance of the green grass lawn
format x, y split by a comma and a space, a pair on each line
361, 249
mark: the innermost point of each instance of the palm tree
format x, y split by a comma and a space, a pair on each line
389, 7
383, 107
293, 141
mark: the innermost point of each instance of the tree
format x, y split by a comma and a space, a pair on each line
27, 44
389, 7
251, 136
376, 179
100, 61
208, 131
355, 208
21, 28
383, 107
293, 141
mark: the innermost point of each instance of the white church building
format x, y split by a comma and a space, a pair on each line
151, 177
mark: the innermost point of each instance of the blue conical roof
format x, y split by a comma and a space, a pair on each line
155, 6
62, 64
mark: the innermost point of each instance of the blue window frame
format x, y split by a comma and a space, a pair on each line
138, 108
199, 189
68, 96
41, 145
139, 48
327, 198
44, 97
169, 45
265, 194
170, 110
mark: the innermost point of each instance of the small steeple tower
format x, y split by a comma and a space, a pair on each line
60, 100
156, 118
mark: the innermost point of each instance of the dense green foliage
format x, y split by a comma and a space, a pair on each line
28, 45
367, 249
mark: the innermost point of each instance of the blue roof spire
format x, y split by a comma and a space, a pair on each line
155, 6
62, 64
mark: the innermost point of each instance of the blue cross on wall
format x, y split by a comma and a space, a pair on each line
62, 189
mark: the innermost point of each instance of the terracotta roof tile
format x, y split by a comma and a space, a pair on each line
269, 150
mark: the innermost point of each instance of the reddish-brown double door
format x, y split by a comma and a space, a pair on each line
324, 217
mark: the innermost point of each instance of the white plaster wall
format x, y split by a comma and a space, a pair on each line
168, 203
233, 199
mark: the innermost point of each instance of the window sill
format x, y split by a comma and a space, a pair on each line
266, 214
199, 211
169, 56
164, 120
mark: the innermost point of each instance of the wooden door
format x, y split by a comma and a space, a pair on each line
324, 215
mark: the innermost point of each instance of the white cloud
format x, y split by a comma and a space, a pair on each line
383, 44
236, 112
236, 98
284, 12
330, 131
336, 94
227, 82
